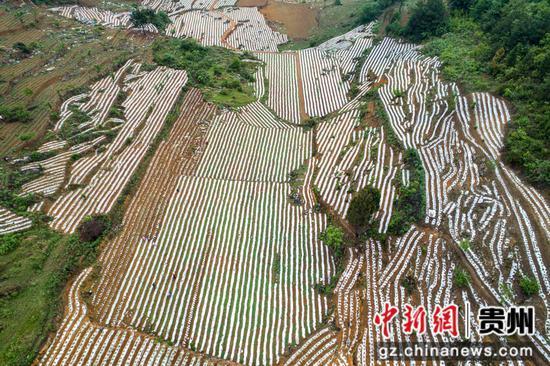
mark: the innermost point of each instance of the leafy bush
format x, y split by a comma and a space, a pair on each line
395, 28
22, 48
92, 228
8, 242
460, 4
370, 12
37, 156
409, 283
328, 288
464, 244
16, 113
529, 286
525, 150
333, 237
116, 112
26, 136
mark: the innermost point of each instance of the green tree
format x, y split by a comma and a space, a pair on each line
362, 206
428, 18
461, 4
369, 12
140, 17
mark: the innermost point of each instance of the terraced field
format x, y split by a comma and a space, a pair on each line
221, 257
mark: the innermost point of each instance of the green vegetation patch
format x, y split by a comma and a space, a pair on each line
461, 278
333, 237
362, 207
34, 266
222, 75
410, 207
503, 46
140, 17
462, 51
529, 286
11, 179
428, 18
15, 113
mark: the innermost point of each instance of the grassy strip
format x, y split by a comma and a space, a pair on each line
381, 114
337, 238
391, 138
410, 207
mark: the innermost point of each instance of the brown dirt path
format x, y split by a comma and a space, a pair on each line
301, 98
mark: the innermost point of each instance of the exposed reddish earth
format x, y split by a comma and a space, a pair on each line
296, 20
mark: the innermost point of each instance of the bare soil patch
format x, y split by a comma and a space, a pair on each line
296, 20
251, 3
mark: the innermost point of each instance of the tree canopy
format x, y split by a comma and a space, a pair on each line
428, 18
140, 17
362, 206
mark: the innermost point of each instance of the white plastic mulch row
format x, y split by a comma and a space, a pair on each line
11, 223
145, 110
80, 342
281, 73
180, 6
252, 33
491, 116
253, 146
216, 280
95, 16
326, 70
206, 27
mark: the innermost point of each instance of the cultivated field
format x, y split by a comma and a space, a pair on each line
220, 257
65, 58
